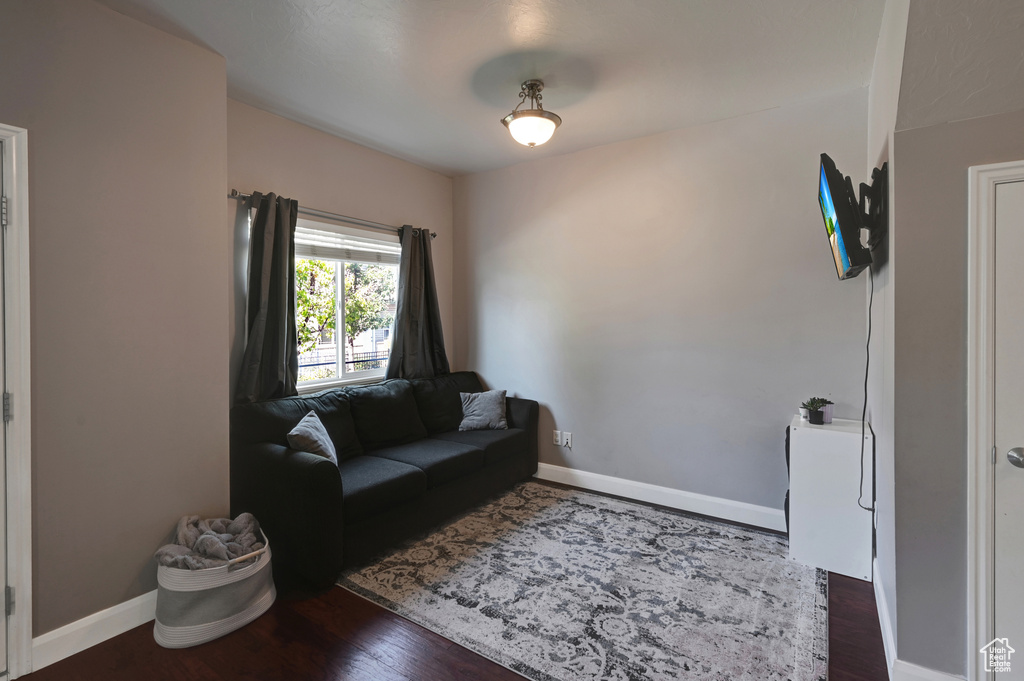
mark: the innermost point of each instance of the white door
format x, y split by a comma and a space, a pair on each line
4, 190
1009, 427
15, 438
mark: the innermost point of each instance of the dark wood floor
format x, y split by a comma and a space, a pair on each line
855, 651
337, 635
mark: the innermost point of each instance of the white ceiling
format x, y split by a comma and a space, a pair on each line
963, 59
429, 80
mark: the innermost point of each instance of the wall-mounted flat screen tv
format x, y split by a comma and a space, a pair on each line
843, 220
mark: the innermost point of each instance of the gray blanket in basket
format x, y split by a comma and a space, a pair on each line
201, 544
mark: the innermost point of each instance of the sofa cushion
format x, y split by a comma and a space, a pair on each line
497, 444
371, 484
272, 420
441, 461
385, 414
438, 400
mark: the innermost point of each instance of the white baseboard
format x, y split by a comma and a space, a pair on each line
55, 645
885, 622
905, 671
727, 509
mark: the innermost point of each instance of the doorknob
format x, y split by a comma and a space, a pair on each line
1016, 456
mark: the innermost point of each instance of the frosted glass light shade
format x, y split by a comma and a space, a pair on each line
532, 126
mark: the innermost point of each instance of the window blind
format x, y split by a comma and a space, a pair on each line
321, 244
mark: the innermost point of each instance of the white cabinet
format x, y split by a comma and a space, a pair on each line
827, 527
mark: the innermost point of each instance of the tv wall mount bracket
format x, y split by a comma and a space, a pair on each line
876, 213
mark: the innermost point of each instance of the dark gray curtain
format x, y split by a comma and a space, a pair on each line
270, 365
417, 348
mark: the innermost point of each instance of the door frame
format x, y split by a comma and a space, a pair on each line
981, 253
19, 430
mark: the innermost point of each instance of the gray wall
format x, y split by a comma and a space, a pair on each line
931, 379
669, 300
129, 258
883, 102
961, 61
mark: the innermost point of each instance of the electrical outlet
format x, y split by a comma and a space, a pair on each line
558, 438
567, 439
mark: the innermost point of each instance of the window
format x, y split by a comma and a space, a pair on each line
346, 281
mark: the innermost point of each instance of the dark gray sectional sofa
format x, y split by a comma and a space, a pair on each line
403, 467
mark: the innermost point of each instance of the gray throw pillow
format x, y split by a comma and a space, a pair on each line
309, 435
483, 411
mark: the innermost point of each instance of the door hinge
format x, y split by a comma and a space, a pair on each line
8, 407
9, 600
3, 211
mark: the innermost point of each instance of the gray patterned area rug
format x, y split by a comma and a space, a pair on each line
563, 585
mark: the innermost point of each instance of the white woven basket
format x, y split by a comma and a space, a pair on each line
196, 606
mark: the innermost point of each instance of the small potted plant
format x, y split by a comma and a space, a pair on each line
814, 410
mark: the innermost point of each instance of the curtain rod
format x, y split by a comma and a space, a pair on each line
237, 195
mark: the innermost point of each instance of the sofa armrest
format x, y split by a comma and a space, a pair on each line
297, 498
525, 414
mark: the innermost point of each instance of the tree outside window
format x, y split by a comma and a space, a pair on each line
315, 296
363, 306
369, 305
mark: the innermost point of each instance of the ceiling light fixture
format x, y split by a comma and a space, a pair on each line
532, 126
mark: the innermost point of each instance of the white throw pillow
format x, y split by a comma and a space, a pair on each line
309, 435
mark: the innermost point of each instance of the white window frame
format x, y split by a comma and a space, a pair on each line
354, 245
